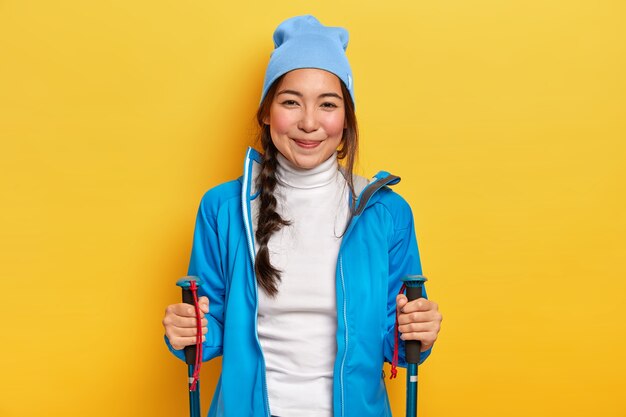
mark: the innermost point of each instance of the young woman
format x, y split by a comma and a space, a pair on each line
301, 260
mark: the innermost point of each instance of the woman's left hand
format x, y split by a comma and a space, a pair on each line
418, 320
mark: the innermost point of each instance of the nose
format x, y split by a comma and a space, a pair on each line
308, 122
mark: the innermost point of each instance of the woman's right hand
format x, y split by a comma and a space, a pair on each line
180, 323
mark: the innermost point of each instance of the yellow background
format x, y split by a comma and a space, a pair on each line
506, 119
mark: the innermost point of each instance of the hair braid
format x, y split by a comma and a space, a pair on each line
269, 221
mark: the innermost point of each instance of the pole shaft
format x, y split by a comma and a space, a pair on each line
194, 396
411, 390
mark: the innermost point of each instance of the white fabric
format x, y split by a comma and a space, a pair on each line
297, 327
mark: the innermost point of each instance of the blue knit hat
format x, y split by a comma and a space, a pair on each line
303, 42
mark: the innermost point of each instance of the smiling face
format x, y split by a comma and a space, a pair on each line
307, 116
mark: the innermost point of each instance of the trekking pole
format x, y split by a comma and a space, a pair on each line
193, 355
414, 285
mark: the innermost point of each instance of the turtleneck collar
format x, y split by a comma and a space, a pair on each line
290, 175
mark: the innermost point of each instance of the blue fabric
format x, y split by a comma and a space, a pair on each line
378, 249
303, 42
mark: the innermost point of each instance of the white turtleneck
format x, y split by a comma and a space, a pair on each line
297, 327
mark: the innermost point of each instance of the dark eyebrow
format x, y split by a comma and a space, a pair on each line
294, 92
299, 94
331, 95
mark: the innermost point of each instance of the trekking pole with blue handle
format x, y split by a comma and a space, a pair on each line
414, 286
189, 284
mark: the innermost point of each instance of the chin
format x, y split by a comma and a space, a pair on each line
306, 164
310, 161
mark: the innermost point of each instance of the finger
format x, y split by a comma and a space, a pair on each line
203, 303
419, 317
181, 309
180, 342
416, 328
421, 304
181, 321
174, 332
186, 331
427, 339
401, 301
191, 310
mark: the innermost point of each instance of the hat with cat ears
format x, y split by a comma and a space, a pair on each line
303, 42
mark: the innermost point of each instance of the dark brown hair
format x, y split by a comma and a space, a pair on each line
269, 221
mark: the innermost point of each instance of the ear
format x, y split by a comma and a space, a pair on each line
266, 120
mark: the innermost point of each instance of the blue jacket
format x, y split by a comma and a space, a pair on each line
377, 250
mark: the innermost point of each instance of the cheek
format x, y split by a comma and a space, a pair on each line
334, 125
280, 122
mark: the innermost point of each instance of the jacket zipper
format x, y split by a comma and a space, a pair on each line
247, 216
345, 324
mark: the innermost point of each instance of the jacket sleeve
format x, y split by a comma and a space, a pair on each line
206, 264
404, 260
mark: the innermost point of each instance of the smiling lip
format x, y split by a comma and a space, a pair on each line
308, 144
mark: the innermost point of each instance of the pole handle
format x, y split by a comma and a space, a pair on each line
190, 351
185, 284
414, 285
413, 347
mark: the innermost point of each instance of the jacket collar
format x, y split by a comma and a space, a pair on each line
367, 191
365, 188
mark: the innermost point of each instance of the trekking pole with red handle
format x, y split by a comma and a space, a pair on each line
193, 353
